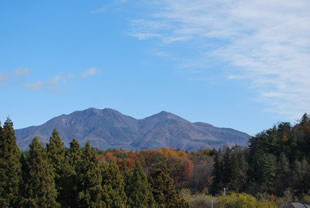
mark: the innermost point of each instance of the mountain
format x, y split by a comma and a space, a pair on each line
109, 128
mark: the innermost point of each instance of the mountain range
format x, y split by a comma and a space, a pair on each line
110, 129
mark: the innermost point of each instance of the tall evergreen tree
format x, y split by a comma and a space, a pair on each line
38, 186
113, 186
138, 190
227, 167
71, 185
75, 154
56, 153
235, 173
163, 189
268, 169
56, 157
283, 164
10, 168
216, 174
90, 179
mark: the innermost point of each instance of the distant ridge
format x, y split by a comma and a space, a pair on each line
108, 128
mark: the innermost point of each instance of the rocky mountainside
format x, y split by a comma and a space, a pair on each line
109, 128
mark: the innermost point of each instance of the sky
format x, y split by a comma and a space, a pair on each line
242, 64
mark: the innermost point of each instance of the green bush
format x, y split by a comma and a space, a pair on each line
242, 201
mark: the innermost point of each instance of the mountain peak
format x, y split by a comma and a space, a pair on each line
110, 110
95, 110
164, 115
109, 128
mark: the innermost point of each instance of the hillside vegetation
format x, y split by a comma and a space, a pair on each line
271, 172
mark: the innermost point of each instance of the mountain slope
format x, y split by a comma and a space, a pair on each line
110, 129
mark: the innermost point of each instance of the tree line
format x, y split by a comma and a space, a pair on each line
55, 176
276, 162
274, 166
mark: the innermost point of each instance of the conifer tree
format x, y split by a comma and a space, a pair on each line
75, 154
39, 189
138, 190
113, 186
283, 164
268, 169
71, 187
56, 153
235, 173
10, 168
90, 179
217, 174
163, 189
227, 167
56, 157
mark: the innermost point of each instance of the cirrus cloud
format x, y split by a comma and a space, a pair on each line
266, 42
90, 72
52, 85
13, 77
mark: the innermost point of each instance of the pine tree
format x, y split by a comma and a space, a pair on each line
138, 190
90, 179
10, 168
75, 154
39, 189
268, 169
304, 119
56, 157
217, 174
113, 186
56, 153
163, 189
227, 167
235, 173
71, 186
283, 164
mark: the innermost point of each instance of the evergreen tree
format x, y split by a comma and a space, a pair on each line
138, 190
71, 186
283, 164
216, 174
304, 120
163, 189
10, 168
90, 179
268, 169
113, 186
227, 167
56, 154
56, 157
75, 154
235, 173
39, 189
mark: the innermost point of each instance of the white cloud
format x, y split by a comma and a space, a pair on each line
34, 86
265, 41
51, 85
90, 72
3, 79
23, 71
14, 77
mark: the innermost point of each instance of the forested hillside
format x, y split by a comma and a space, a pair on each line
272, 171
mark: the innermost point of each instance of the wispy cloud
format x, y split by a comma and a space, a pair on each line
266, 42
3, 79
13, 77
90, 72
54, 84
23, 71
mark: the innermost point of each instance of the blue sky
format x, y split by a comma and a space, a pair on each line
242, 64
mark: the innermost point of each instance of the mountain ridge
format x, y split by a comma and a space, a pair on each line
109, 128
